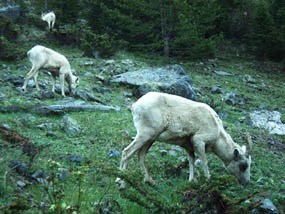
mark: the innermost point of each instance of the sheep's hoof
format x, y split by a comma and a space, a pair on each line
120, 183
194, 180
150, 181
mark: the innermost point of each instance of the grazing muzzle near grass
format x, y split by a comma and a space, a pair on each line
240, 167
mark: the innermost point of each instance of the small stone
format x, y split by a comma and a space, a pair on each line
249, 79
217, 90
39, 174
223, 73
71, 126
113, 153
20, 184
163, 152
74, 158
268, 206
19, 166
172, 153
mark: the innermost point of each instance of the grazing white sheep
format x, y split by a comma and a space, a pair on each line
45, 58
49, 18
192, 125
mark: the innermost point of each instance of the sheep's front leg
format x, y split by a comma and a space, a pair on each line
52, 24
191, 166
191, 157
61, 78
53, 82
36, 81
199, 147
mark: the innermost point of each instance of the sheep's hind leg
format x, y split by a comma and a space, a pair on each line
141, 155
128, 152
29, 75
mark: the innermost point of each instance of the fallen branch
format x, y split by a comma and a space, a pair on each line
61, 108
26, 144
57, 108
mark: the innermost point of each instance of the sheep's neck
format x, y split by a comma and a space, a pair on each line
224, 147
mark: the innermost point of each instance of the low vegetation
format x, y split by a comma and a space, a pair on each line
45, 170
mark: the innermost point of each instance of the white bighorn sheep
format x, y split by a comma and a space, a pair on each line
49, 18
192, 125
45, 58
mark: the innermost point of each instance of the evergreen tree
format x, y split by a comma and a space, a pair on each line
195, 30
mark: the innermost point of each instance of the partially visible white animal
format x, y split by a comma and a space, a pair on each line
54, 62
50, 19
192, 125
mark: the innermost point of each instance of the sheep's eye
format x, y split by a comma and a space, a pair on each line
243, 167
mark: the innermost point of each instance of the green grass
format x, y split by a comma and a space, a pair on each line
90, 186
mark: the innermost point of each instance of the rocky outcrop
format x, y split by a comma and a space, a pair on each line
269, 120
11, 11
170, 79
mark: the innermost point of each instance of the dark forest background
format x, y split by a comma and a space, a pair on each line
186, 29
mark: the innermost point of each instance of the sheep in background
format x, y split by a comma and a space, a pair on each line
192, 125
49, 18
55, 63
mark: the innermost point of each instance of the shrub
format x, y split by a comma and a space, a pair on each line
10, 50
68, 34
8, 29
104, 44
9, 32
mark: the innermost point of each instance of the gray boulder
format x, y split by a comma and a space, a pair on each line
71, 127
170, 79
269, 120
11, 11
266, 207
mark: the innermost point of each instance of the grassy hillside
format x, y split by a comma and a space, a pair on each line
78, 173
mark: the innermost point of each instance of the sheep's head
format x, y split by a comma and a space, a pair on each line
42, 16
73, 84
240, 165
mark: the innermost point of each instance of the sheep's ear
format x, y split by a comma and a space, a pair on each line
236, 155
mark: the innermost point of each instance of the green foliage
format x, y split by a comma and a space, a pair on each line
66, 11
259, 24
104, 44
68, 34
186, 29
80, 35
180, 29
8, 29
263, 27
9, 50
9, 32
89, 186
194, 31
131, 21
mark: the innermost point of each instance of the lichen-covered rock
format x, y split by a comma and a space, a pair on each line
170, 79
269, 120
71, 127
11, 11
